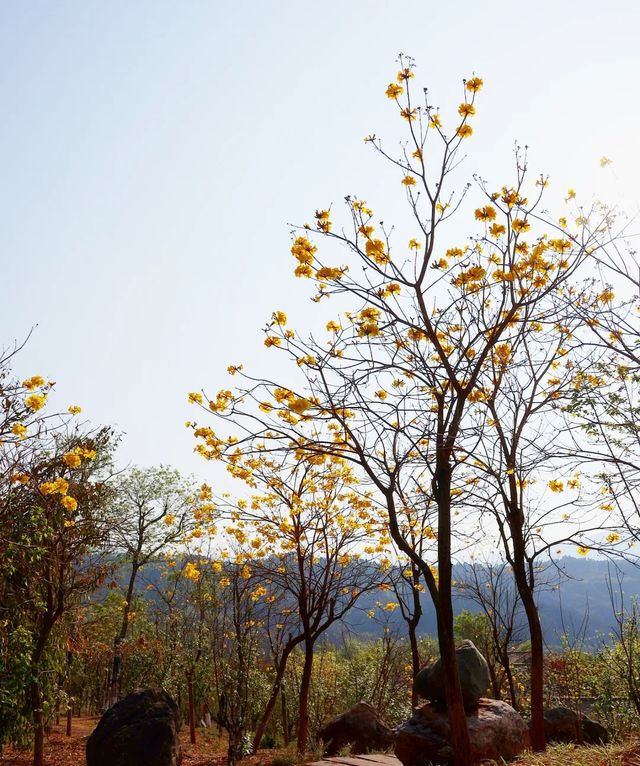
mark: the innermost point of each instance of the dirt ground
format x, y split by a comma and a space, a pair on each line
60, 750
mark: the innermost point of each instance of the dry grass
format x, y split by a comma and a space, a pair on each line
617, 754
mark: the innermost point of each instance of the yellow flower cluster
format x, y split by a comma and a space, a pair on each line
303, 251
35, 402
36, 381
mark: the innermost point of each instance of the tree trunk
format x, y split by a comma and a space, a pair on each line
192, 709
38, 722
538, 741
116, 667
455, 706
305, 685
234, 748
286, 726
513, 694
415, 662
446, 640
273, 697
69, 719
495, 682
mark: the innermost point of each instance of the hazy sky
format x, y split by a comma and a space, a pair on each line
153, 153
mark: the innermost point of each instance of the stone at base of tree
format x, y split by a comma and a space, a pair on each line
140, 730
496, 731
561, 724
472, 669
360, 727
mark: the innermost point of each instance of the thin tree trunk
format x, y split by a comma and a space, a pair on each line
273, 697
495, 683
69, 719
192, 709
286, 726
116, 667
538, 740
415, 661
512, 685
305, 685
38, 723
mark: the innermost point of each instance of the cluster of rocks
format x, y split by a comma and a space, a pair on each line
143, 728
496, 730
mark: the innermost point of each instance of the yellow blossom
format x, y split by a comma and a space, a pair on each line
409, 181
74, 409
394, 90
555, 485
520, 225
486, 213
279, 317
69, 503
72, 460
19, 430
35, 381
474, 84
191, 572
35, 402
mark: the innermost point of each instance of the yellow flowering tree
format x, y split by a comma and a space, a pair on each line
300, 531
54, 529
429, 319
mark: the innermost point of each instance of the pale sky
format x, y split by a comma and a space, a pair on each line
152, 155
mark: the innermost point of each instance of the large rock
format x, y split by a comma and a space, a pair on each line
496, 731
473, 671
561, 724
360, 727
140, 730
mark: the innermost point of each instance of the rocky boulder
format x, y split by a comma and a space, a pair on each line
140, 730
496, 732
473, 671
561, 724
360, 727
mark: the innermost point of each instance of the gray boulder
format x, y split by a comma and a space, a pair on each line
473, 671
561, 724
140, 730
496, 732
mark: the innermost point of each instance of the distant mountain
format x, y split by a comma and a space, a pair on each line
575, 601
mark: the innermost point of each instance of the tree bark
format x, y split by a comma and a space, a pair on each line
305, 685
38, 722
538, 741
192, 709
459, 731
415, 660
116, 667
273, 697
